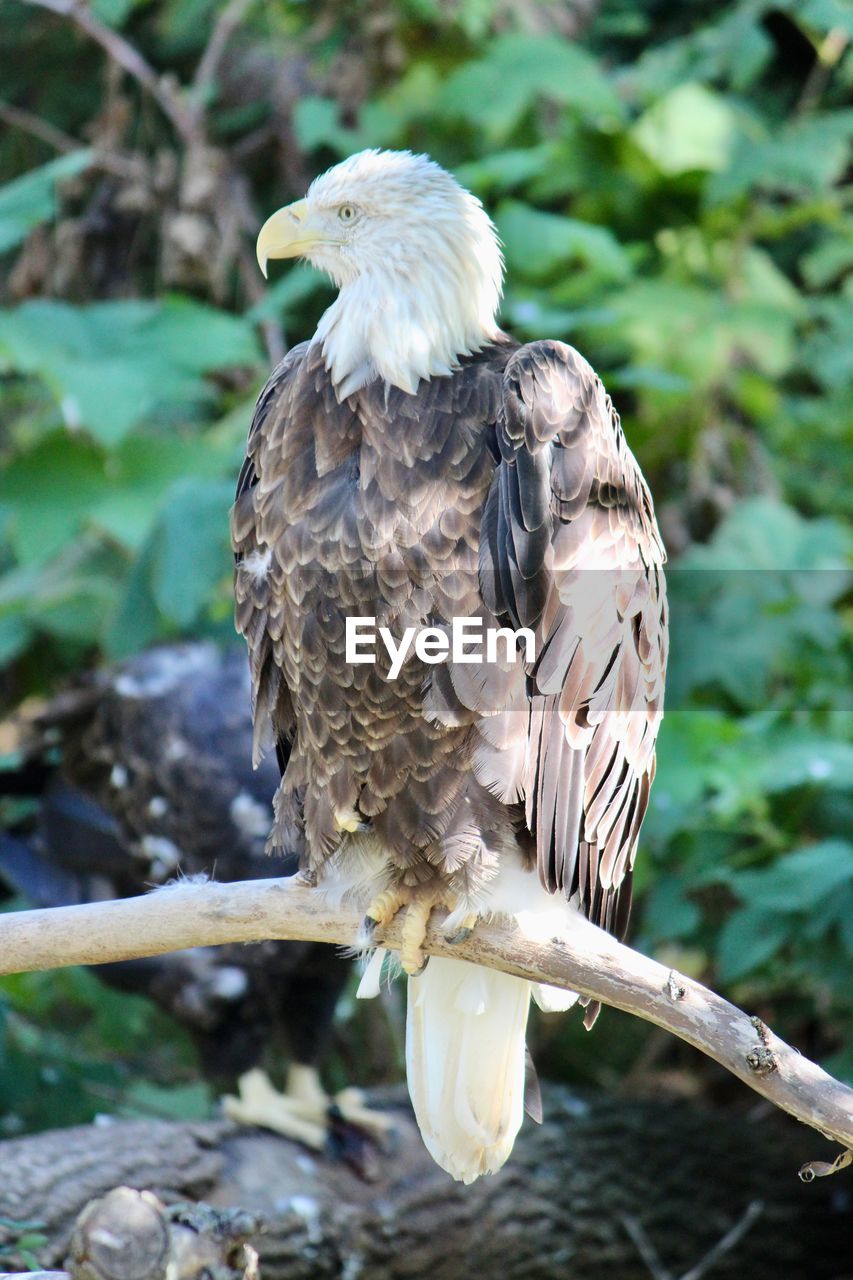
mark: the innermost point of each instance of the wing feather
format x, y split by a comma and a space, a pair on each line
571, 549
255, 609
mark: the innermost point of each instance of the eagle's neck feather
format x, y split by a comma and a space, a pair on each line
406, 326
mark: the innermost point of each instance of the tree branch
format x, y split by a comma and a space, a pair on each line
223, 29
46, 132
585, 959
17, 118
130, 59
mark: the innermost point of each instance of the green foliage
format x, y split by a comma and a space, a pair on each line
110, 366
755, 763
493, 94
71, 1048
31, 199
669, 191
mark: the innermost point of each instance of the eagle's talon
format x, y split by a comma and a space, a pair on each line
466, 928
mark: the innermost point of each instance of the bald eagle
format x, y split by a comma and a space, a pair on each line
409, 466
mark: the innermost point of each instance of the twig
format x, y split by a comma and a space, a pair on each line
827, 56
723, 1246
121, 166
186, 111
645, 1248
130, 59
38, 128
821, 1169
223, 29
584, 959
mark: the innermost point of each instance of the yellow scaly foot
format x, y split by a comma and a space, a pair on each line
419, 902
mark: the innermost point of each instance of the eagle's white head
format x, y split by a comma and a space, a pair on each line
416, 258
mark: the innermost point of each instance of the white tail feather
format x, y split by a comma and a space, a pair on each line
465, 1059
553, 999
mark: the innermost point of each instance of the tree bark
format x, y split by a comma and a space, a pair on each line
605, 1189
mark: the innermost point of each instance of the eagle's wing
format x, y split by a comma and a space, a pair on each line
272, 711
571, 549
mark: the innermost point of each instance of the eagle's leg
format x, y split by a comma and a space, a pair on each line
302, 1112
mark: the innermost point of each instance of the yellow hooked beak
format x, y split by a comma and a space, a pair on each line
289, 233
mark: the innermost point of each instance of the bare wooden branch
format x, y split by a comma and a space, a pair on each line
170, 100
584, 959
229, 202
36, 127
32, 124
223, 29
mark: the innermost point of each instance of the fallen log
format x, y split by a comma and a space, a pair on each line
605, 1189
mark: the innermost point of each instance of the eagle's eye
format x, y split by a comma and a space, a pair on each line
346, 213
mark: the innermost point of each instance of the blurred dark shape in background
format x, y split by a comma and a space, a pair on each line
141, 773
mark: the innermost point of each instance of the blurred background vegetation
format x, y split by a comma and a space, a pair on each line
668, 181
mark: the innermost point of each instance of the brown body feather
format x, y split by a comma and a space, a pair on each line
506, 492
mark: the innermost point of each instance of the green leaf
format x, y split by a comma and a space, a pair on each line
316, 123
830, 259
50, 491
502, 170
805, 759
190, 551
173, 1102
14, 637
695, 751
668, 912
519, 71
112, 364
824, 15
764, 533
807, 155
192, 335
135, 623
749, 938
31, 199
284, 297
114, 12
143, 467
690, 128
798, 881
698, 333
539, 243
753, 602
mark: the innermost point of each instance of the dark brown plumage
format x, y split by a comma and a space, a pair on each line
487, 493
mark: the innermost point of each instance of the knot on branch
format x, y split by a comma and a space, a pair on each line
675, 989
761, 1060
